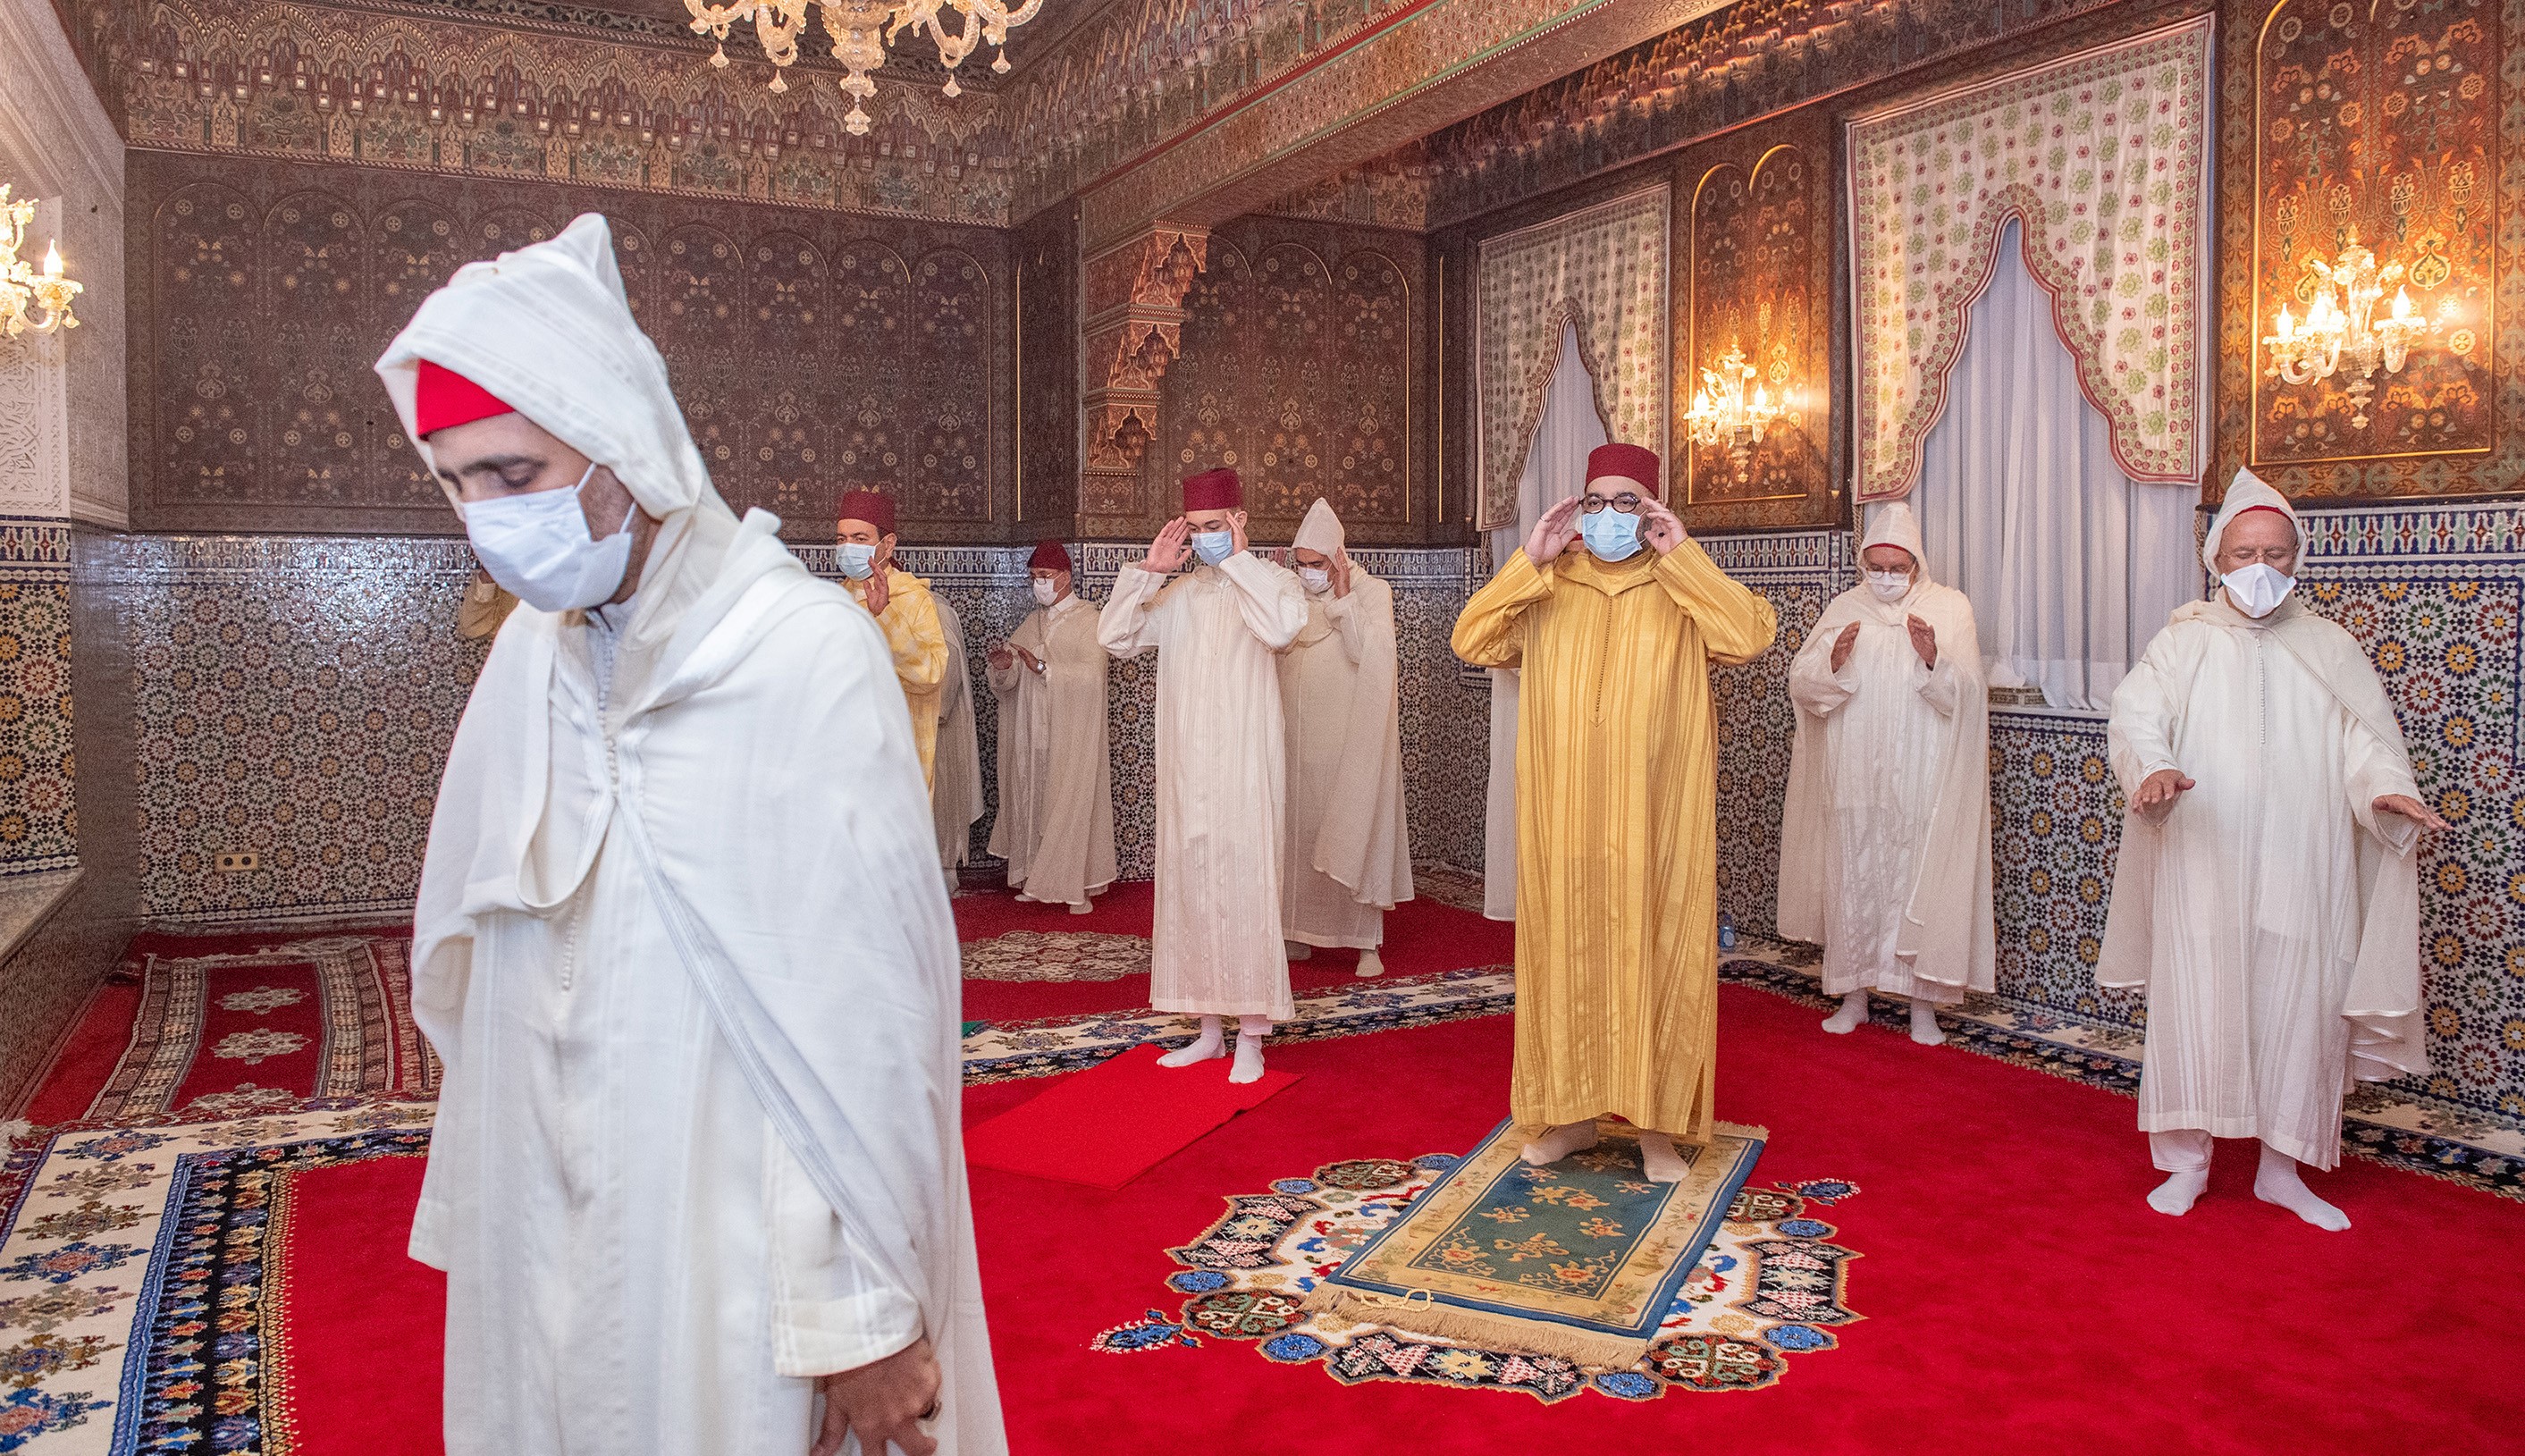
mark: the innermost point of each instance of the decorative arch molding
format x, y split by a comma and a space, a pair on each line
2101, 158
1132, 298
1757, 275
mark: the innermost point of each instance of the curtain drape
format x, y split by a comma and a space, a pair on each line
1555, 468
2071, 565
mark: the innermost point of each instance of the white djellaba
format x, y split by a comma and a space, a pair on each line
683, 945
1346, 856
1884, 838
2272, 913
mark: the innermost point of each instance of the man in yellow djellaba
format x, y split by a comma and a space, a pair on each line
1614, 613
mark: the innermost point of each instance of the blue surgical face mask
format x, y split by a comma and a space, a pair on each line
857, 559
1611, 535
1214, 546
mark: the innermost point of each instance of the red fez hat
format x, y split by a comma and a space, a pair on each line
443, 398
874, 507
1627, 461
1214, 490
2274, 510
1049, 556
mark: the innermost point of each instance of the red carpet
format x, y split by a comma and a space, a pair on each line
1115, 1120
2019, 1294
1420, 936
361, 1324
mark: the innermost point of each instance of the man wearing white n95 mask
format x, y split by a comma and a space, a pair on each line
696, 1177
2267, 894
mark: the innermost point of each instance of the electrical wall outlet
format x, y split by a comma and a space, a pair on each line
235, 861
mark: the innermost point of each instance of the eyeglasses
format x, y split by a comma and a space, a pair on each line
1626, 503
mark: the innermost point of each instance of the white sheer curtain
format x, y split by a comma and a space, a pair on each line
1555, 468
2071, 565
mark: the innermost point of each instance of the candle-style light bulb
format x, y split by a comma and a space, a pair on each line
2401, 304
53, 258
2288, 326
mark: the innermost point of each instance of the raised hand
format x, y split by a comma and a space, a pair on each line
1925, 641
1341, 573
2409, 808
2158, 791
1172, 545
1236, 529
1659, 527
877, 590
1000, 657
1842, 645
1553, 533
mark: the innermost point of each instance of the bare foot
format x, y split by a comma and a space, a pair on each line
1559, 1143
2176, 1195
2277, 1181
1369, 965
1924, 1025
1854, 1010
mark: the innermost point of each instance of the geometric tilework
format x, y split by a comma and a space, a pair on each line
38, 821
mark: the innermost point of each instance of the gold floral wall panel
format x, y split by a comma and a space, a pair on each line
1756, 219
1300, 352
810, 351
2378, 121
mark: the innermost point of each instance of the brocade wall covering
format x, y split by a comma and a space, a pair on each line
2103, 158
1603, 268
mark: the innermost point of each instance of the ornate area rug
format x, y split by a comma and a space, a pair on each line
1768, 1283
1579, 1260
1056, 955
262, 1024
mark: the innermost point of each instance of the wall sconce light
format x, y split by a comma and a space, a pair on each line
1731, 410
2341, 328
28, 298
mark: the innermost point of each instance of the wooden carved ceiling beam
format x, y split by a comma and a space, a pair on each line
1131, 297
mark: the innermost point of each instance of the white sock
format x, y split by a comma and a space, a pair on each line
1249, 1031
1368, 964
1203, 1048
1658, 1155
1559, 1143
1924, 1023
1297, 950
1854, 1010
2278, 1181
2183, 1155
1080, 907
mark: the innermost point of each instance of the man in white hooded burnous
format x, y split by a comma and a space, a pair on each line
1885, 839
1347, 853
696, 1177
2268, 895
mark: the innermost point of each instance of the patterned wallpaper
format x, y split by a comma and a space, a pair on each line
554, 92
810, 351
2403, 124
1302, 346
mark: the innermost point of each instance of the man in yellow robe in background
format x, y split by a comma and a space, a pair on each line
1616, 809
903, 607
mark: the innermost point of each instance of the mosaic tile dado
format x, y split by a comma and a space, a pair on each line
38, 812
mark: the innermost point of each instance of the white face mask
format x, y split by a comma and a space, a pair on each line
857, 559
536, 545
2258, 589
1319, 579
1889, 586
1043, 592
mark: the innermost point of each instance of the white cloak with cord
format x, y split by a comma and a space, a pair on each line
1885, 839
2272, 914
1347, 855
683, 945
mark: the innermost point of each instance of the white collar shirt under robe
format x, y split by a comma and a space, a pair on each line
1056, 823
1889, 790
2273, 914
1347, 857
1216, 949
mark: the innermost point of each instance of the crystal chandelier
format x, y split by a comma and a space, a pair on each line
40, 301
855, 25
1723, 414
2341, 327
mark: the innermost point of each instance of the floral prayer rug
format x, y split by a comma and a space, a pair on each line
266, 1023
1768, 1283
1056, 955
1581, 1259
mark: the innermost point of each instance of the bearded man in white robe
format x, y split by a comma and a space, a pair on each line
1215, 950
1346, 854
2268, 891
1885, 840
1056, 823
696, 1177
